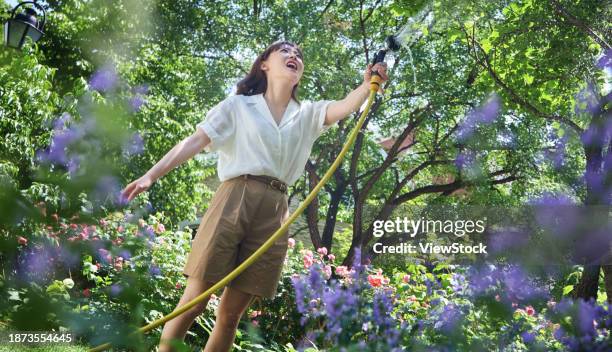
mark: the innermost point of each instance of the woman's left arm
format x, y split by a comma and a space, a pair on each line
340, 109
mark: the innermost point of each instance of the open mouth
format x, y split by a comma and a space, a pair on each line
292, 65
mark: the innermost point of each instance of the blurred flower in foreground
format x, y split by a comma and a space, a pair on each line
104, 79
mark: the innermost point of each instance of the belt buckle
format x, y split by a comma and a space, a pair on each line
278, 185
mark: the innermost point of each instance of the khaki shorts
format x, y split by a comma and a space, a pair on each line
242, 215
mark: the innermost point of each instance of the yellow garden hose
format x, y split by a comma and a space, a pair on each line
374, 86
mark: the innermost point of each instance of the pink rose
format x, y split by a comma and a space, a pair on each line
322, 251
22, 240
406, 278
331, 257
307, 253
291, 243
327, 271
529, 310
342, 271
307, 262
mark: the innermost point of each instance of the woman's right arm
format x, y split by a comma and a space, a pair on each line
180, 153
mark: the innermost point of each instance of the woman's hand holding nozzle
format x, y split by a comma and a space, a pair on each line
379, 69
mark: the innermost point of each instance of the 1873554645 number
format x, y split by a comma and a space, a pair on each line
36, 337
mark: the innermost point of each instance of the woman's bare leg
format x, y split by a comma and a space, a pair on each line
233, 304
177, 327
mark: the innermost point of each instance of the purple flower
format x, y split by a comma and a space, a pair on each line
73, 165
605, 61
449, 319
136, 102
104, 79
105, 188
125, 254
586, 317
60, 122
465, 159
36, 264
154, 270
528, 337
485, 114
134, 146
586, 101
115, 290
142, 89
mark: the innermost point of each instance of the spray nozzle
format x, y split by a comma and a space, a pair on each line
409, 34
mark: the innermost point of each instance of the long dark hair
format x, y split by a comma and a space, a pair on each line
255, 81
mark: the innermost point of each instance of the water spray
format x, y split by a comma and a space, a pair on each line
406, 36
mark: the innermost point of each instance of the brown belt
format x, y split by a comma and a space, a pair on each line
270, 181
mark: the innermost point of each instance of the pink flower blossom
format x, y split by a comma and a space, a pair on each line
327, 270
342, 271
254, 314
307, 262
22, 240
120, 228
103, 223
307, 253
291, 243
322, 251
178, 285
141, 223
159, 228
331, 257
529, 310
406, 278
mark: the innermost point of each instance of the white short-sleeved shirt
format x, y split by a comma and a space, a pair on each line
249, 141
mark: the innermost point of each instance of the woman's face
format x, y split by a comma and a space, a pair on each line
284, 64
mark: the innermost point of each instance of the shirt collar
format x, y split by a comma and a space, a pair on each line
259, 101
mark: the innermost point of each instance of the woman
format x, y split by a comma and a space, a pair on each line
264, 137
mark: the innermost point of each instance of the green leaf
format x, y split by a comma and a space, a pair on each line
486, 45
567, 289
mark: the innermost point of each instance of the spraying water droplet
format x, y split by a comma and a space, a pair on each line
412, 31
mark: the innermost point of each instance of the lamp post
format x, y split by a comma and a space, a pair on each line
23, 25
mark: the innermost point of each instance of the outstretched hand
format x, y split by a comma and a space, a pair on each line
136, 187
381, 69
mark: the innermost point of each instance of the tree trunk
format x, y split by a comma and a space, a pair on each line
589, 282
607, 269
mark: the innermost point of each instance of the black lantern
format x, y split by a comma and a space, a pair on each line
23, 25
